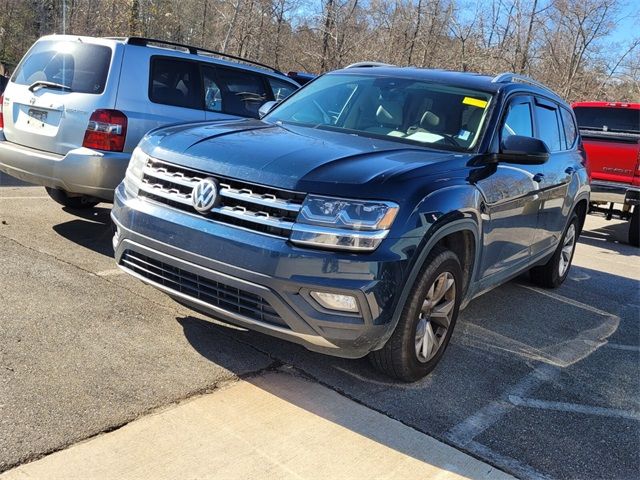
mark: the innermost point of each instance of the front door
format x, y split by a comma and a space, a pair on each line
511, 201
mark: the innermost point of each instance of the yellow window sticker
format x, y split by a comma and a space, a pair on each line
476, 102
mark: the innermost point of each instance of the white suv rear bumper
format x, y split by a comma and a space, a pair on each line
82, 170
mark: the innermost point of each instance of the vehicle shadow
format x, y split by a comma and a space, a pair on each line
91, 229
615, 232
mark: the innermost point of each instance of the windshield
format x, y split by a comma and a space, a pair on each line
397, 109
80, 67
608, 119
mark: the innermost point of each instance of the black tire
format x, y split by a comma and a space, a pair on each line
76, 203
399, 358
634, 227
548, 275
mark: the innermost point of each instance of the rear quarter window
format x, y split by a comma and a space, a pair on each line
83, 67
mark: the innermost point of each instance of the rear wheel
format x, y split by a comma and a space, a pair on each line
555, 271
425, 326
74, 202
634, 227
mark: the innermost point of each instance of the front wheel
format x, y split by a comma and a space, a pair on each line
555, 271
427, 320
76, 202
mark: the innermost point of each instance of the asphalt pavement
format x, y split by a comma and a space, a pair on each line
541, 384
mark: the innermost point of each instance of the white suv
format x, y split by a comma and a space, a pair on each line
76, 107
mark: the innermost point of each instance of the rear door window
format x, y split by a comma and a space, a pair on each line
548, 126
83, 67
242, 92
175, 82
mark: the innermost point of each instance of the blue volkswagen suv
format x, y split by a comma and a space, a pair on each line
363, 212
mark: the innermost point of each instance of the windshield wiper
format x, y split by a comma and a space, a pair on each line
44, 84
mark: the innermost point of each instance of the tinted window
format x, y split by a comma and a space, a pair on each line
280, 89
212, 92
548, 128
242, 92
81, 66
518, 120
175, 82
608, 119
570, 129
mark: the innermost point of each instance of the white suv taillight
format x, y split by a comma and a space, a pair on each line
107, 130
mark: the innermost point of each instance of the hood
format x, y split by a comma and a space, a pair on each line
296, 158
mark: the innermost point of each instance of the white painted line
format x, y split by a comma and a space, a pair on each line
573, 408
110, 273
472, 426
618, 346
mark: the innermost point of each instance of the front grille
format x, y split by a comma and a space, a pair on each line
259, 208
210, 291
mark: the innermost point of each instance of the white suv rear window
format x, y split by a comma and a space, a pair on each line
83, 67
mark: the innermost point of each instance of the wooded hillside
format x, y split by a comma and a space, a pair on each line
564, 43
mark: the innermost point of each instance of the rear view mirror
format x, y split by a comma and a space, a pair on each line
523, 150
266, 108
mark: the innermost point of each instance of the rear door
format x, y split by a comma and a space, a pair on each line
56, 88
564, 161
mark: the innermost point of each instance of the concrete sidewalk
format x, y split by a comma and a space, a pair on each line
276, 426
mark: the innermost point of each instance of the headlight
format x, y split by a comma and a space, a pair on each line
137, 163
343, 224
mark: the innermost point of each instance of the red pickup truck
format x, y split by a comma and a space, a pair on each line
611, 135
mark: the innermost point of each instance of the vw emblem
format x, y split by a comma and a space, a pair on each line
204, 195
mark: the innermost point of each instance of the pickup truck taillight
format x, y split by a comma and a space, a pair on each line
1, 116
107, 130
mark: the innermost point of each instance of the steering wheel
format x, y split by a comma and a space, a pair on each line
450, 139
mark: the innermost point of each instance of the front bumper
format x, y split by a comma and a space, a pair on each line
236, 275
82, 170
606, 192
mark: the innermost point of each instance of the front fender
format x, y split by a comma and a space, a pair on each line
441, 213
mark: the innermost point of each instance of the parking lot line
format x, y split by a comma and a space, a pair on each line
573, 408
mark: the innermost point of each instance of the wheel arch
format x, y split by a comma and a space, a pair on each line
462, 236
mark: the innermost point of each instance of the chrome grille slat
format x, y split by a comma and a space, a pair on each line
264, 209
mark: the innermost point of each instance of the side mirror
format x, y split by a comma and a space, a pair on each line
523, 150
266, 108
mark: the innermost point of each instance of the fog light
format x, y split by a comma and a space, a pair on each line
335, 301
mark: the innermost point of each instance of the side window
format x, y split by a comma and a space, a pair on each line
281, 90
570, 129
175, 82
518, 120
212, 92
242, 92
548, 128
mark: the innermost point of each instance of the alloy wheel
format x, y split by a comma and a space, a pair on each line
568, 245
435, 317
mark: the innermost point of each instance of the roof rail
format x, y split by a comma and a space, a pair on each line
368, 65
143, 42
517, 78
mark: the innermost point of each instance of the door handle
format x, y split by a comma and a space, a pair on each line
570, 170
538, 177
